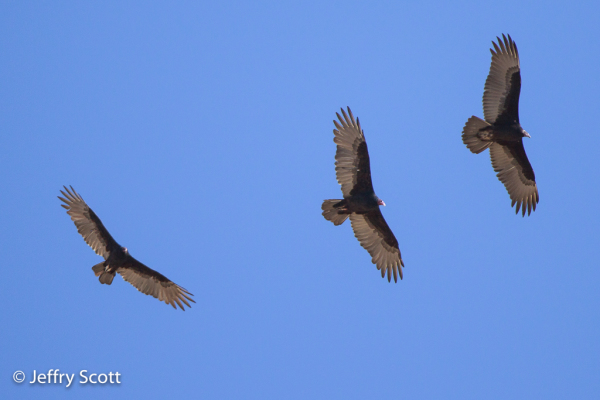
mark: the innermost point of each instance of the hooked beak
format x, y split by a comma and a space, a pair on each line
381, 203
526, 134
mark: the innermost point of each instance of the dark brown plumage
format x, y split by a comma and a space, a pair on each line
501, 131
360, 203
117, 258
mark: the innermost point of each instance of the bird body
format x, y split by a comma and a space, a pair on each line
107, 269
502, 133
360, 203
501, 130
117, 258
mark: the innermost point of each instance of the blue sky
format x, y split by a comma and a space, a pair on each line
201, 134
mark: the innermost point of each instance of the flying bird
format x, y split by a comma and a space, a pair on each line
117, 258
353, 171
501, 131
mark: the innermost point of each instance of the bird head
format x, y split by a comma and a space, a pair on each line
125, 250
380, 202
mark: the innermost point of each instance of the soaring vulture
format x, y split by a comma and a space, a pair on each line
117, 258
360, 203
501, 130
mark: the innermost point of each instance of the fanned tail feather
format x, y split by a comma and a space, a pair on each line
470, 138
105, 277
331, 213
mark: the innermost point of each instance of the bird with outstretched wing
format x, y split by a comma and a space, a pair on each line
117, 258
501, 130
360, 204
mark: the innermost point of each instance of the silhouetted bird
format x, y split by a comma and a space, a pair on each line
501, 130
360, 203
117, 258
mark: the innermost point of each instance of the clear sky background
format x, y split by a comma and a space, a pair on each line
201, 134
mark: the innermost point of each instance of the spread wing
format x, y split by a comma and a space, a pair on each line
514, 171
377, 238
150, 282
503, 84
88, 224
352, 166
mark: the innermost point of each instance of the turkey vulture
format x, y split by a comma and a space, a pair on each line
501, 130
360, 203
117, 258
